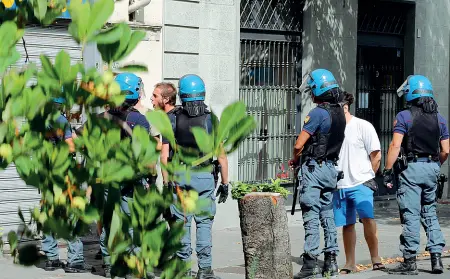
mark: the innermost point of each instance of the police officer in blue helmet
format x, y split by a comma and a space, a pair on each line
423, 134
195, 114
133, 87
316, 153
61, 133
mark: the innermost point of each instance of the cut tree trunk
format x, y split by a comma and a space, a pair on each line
265, 236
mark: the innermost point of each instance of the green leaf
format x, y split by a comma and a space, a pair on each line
48, 67
123, 43
8, 31
73, 31
107, 51
50, 16
115, 227
101, 10
90, 215
240, 132
8, 61
121, 247
21, 215
40, 9
230, 116
203, 139
23, 165
134, 68
135, 39
13, 240
62, 65
109, 36
3, 131
80, 14
161, 121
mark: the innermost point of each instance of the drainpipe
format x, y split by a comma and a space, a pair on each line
137, 5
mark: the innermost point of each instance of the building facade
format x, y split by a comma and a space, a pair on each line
257, 51
370, 46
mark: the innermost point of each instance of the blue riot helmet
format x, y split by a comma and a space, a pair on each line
59, 100
415, 86
131, 85
191, 88
318, 82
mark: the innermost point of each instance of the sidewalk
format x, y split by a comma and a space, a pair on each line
228, 259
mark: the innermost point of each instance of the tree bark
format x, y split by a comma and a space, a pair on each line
265, 236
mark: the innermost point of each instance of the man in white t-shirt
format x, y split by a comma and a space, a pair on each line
359, 159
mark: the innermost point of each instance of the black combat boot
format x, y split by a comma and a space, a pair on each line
408, 267
51, 265
330, 266
436, 263
206, 273
79, 268
310, 268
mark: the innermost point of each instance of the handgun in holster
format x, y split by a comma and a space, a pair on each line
401, 163
442, 178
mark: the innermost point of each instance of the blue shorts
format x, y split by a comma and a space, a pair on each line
346, 202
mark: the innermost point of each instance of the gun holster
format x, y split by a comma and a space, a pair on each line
442, 178
401, 163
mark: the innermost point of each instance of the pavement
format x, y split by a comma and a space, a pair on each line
228, 259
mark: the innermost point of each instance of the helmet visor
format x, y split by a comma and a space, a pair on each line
142, 91
304, 87
402, 89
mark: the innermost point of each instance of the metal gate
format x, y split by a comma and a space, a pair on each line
379, 74
270, 67
13, 190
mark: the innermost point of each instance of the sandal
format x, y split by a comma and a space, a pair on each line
378, 266
345, 271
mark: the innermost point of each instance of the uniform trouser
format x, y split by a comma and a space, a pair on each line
203, 183
416, 197
103, 237
74, 251
316, 202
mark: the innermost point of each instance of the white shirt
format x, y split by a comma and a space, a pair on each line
360, 140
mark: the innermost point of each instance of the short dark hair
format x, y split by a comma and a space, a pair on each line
331, 96
168, 90
349, 99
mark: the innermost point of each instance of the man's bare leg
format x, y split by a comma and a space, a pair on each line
349, 235
370, 234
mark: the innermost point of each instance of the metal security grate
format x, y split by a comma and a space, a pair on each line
383, 24
269, 85
383, 17
275, 15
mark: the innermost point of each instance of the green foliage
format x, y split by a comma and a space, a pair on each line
109, 162
240, 189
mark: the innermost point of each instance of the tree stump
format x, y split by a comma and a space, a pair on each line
265, 236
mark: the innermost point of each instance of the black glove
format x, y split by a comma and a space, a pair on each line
223, 192
388, 177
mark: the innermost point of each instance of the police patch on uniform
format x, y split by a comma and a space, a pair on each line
306, 119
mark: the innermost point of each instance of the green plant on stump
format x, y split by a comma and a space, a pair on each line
109, 162
240, 189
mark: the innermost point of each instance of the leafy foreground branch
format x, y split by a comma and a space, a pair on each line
109, 162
